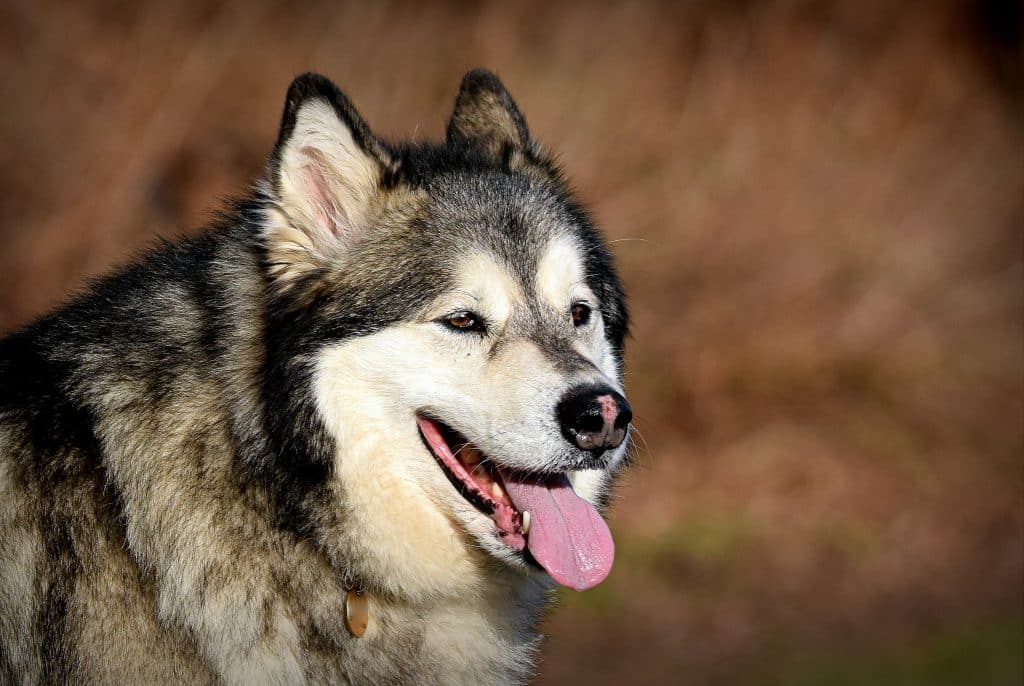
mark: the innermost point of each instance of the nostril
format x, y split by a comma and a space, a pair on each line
625, 414
581, 413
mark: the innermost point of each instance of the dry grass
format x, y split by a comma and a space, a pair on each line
818, 212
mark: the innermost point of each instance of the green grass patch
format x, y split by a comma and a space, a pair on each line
990, 655
710, 538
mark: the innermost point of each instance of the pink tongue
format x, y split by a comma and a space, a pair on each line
567, 535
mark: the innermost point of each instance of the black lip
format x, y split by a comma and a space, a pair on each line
474, 498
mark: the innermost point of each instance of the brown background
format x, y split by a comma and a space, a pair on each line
816, 206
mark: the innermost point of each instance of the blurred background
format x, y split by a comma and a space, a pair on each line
817, 207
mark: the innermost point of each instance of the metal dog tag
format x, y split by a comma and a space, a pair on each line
357, 612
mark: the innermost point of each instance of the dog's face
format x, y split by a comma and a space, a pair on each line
466, 361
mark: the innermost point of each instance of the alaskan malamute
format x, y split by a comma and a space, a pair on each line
354, 433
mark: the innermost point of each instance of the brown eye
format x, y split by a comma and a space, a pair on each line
580, 314
464, 321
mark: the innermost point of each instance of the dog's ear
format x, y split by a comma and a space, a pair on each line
486, 115
325, 176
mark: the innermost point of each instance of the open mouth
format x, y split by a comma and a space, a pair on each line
477, 479
542, 513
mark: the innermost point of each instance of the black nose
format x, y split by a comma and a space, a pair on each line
594, 418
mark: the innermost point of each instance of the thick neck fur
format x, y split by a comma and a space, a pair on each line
184, 515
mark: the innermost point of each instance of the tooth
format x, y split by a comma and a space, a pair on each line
526, 522
497, 491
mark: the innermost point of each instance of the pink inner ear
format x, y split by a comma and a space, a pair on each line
324, 204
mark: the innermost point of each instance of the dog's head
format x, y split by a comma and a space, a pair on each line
446, 337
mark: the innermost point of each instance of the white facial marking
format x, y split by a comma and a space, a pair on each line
589, 483
485, 285
366, 390
560, 275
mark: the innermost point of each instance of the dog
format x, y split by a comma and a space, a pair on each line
354, 433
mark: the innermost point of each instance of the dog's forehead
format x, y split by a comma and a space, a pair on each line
557, 275
501, 225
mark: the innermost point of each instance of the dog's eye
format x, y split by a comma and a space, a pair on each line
464, 321
580, 314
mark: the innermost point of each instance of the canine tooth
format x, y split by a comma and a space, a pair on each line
497, 491
526, 521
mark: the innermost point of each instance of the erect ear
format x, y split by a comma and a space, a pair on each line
325, 176
485, 115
